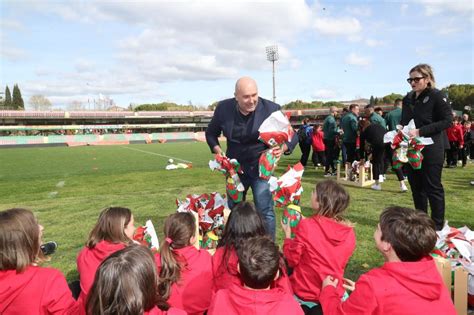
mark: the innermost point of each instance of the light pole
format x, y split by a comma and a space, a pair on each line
272, 55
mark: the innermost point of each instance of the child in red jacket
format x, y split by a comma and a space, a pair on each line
112, 232
408, 283
26, 288
244, 222
185, 272
258, 267
456, 142
127, 283
318, 157
322, 245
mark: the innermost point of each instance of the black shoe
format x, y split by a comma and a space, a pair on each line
49, 248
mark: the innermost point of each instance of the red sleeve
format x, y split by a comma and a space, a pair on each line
293, 248
461, 136
58, 298
361, 301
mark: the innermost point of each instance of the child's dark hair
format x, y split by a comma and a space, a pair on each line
19, 239
110, 226
244, 222
259, 261
126, 283
178, 230
411, 233
333, 199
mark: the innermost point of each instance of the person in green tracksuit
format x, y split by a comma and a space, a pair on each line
330, 133
393, 117
373, 117
349, 126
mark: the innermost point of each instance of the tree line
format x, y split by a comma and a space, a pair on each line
14, 101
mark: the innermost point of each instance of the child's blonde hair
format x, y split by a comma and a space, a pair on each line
111, 226
333, 199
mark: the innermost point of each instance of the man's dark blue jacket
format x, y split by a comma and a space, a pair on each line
246, 152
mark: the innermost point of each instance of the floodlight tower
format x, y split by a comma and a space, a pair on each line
272, 55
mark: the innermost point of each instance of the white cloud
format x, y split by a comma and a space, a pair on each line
345, 26
357, 60
10, 24
325, 94
461, 7
12, 53
83, 65
403, 8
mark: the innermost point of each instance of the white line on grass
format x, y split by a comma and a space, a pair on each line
153, 153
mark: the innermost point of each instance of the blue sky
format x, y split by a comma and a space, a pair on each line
193, 51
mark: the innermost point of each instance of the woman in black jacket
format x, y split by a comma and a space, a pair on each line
432, 115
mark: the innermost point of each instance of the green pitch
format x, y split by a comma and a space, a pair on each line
68, 187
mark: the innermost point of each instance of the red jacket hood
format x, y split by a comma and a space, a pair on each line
335, 232
420, 277
102, 250
12, 283
249, 301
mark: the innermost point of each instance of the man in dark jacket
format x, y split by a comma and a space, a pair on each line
349, 126
239, 119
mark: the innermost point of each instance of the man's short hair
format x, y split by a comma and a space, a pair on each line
259, 260
398, 102
369, 106
352, 106
411, 232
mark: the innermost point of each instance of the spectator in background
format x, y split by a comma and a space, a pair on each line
305, 133
468, 140
456, 143
318, 156
393, 117
349, 126
330, 134
379, 111
373, 117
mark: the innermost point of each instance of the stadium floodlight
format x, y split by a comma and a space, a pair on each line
272, 55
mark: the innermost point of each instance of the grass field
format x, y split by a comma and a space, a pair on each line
68, 187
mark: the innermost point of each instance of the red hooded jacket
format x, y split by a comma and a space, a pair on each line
455, 134
37, 290
170, 311
241, 300
406, 288
89, 260
321, 247
194, 291
318, 141
225, 275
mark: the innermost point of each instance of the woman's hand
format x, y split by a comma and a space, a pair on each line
330, 280
286, 229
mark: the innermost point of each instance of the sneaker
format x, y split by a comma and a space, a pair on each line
327, 175
381, 179
403, 187
376, 187
48, 248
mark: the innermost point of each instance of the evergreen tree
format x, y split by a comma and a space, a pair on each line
376, 101
8, 99
372, 100
17, 102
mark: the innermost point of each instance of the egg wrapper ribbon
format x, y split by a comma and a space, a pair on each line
231, 169
210, 214
274, 132
287, 189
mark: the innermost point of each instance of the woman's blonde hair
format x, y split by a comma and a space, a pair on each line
19, 239
427, 72
111, 226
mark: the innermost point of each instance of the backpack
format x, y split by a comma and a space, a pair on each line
305, 134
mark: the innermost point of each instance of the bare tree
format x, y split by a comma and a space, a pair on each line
75, 106
40, 102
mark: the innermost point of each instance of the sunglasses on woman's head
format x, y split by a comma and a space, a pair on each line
416, 79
